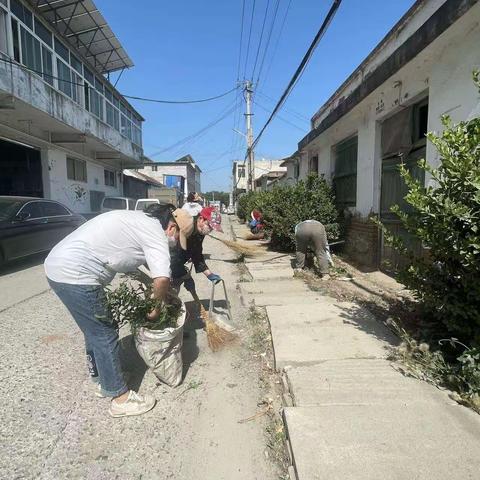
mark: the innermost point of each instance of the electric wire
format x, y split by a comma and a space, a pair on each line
275, 48
300, 69
280, 117
290, 110
241, 41
249, 39
43, 74
196, 134
260, 41
267, 44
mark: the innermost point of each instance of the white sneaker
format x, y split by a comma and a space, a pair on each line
98, 391
134, 405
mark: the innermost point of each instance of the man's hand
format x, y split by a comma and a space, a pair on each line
160, 288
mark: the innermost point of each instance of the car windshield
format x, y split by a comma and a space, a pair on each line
145, 204
9, 207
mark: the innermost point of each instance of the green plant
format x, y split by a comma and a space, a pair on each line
131, 304
446, 218
285, 206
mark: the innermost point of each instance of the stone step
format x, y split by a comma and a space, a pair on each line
357, 382
430, 441
312, 333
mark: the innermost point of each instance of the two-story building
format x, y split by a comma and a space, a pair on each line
264, 171
66, 133
379, 116
183, 174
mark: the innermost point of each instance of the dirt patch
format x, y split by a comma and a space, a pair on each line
259, 342
377, 292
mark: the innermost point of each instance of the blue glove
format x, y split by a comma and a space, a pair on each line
213, 277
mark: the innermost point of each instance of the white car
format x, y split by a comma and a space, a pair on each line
144, 203
117, 203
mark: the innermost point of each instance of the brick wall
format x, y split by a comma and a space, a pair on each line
362, 241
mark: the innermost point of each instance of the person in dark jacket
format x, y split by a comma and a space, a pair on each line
203, 225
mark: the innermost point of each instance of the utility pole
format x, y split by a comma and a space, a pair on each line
250, 154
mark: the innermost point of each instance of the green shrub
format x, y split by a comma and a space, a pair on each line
285, 206
446, 218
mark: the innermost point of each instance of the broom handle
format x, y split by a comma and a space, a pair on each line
212, 297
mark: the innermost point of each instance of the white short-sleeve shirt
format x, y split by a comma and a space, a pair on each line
114, 242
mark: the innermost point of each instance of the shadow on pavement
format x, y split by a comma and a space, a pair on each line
15, 266
190, 347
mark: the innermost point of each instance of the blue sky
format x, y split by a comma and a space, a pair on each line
190, 49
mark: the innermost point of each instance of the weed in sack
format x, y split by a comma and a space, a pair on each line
158, 342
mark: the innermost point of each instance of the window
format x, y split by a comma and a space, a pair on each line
115, 203
75, 63
62, 50
113, 116
296, 170
47, 65
154, 168
345, 172
31, 56
16, 41
76, 169
76, 87
96, 103
241, 172
64, 78
3, 31
314, 165
43, 33
33, 209
110, 178
53, 209
22, 13
420, 122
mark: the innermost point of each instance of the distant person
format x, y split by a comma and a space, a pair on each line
83, 263
311, 233
192, 205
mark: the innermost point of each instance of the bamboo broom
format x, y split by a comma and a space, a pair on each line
247, 250
217, 336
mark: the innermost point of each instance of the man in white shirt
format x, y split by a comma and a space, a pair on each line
85, 261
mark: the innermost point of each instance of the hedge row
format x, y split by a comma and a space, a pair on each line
285, 206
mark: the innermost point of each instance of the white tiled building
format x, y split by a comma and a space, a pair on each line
65, 132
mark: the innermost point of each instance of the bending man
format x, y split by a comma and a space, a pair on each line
85, 261
311, 233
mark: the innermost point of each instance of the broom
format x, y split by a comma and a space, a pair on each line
217, 336
247, 250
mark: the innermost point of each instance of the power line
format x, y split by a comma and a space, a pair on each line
281, 118
241, 42
249, 38
181, 101
197, 134
275, 48
70, 82
267, 43
300, 68
290, 110
260, 41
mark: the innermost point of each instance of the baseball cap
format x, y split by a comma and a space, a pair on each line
206, 213
185, 224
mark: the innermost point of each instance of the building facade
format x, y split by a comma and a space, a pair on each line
65, 132
379, 117
183, 174
262, 168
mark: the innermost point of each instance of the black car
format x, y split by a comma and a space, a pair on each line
31, 225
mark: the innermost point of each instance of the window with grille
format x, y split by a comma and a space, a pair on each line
110, 178
76, 169
345, 172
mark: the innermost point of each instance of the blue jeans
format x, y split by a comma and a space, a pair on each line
86, 304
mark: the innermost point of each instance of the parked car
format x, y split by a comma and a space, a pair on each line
143, 203
31, 225
117, 203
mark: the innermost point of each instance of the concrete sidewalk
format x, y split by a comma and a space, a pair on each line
348, 413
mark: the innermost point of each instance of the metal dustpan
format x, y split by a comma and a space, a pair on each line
223, 319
